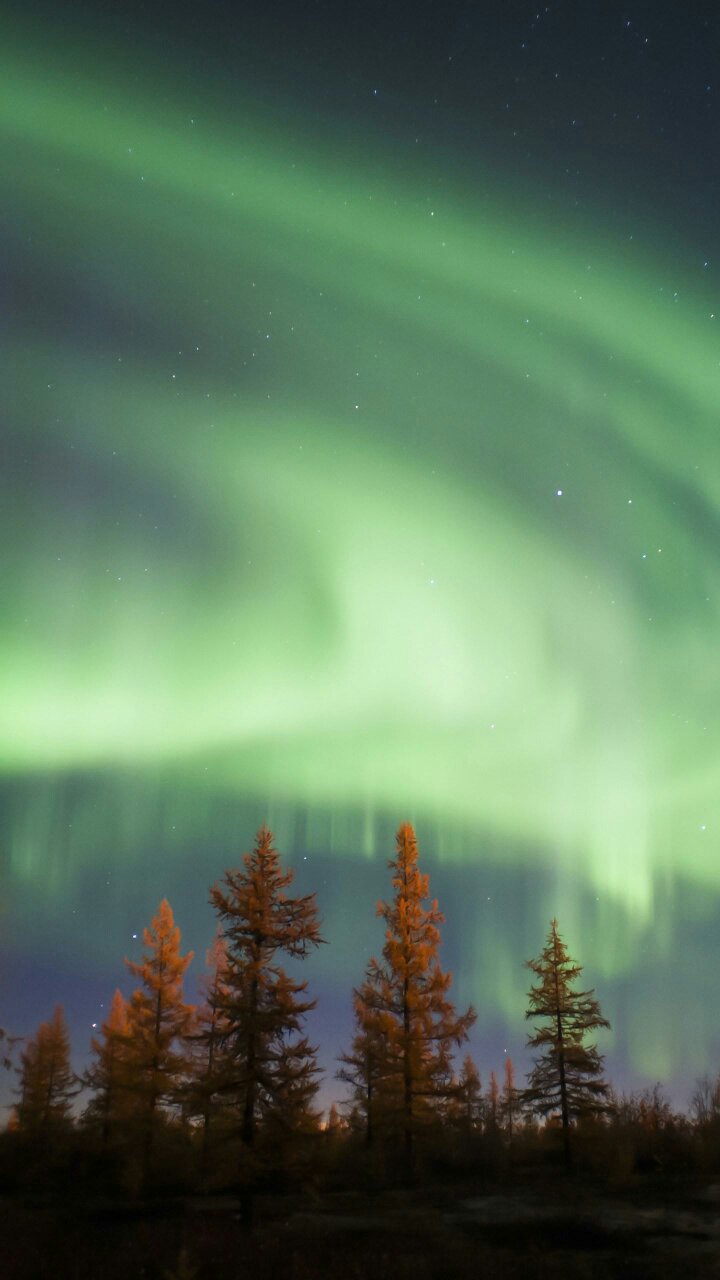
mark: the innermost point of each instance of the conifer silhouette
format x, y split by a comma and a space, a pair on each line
364, 1066
408, 1003
567, 1074
211, 1062
158, 1019
510, 1100
492, 1103
109, 1074
470, 1105
271, 1064
47, 1081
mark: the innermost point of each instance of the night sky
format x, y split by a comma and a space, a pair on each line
360, 464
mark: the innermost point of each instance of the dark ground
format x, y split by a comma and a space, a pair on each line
558, 1229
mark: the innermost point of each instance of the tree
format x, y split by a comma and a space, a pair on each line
272, 1072
567, 1073
362, 1067
109, 1074
653, 1109
7, 1043
47, 1081
492, 1103
510, 1101
158, 1020
470, 1106
409, 999
333, 1124
705, 1101
295, 1073
211, 1065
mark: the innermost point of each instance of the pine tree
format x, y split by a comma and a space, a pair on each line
272, 1076
47, 1082
410, 993
567, 1073
158, 1020
109, 1074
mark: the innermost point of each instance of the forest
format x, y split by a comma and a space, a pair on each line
190, 1115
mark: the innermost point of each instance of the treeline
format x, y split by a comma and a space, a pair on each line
224, 1093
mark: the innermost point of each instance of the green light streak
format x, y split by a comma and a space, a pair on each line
330, 567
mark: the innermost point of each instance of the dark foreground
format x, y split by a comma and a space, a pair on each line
565, 1230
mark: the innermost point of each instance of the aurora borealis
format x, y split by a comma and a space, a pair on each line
340, 489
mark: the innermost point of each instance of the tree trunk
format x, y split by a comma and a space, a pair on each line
207, 1103
107, 1105
48, 1097
408, 1096
152, 1102
567, 1154
248, 1120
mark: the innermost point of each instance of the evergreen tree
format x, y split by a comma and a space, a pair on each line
109, 1074
158, 1020
272, 1071
47, 1082
410, 1003
567, 1073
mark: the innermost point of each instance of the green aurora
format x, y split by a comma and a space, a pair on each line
341, 491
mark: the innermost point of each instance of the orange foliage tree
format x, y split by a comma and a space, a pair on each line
109, 1073
212, 1063
511, 1100
363, 1066
408, 1003
158, 1020
270, 1068
47, 1082
469, 1106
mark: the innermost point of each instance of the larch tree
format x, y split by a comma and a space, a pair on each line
333, 1124
469, 1106
47, 1081
567, 1075
159, 1019
272, 1073
705, 1102
364, 1065
211, 1065
6, 1044
492, 1103
108, 1075
410, 1001
510, 1100
295, 1072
